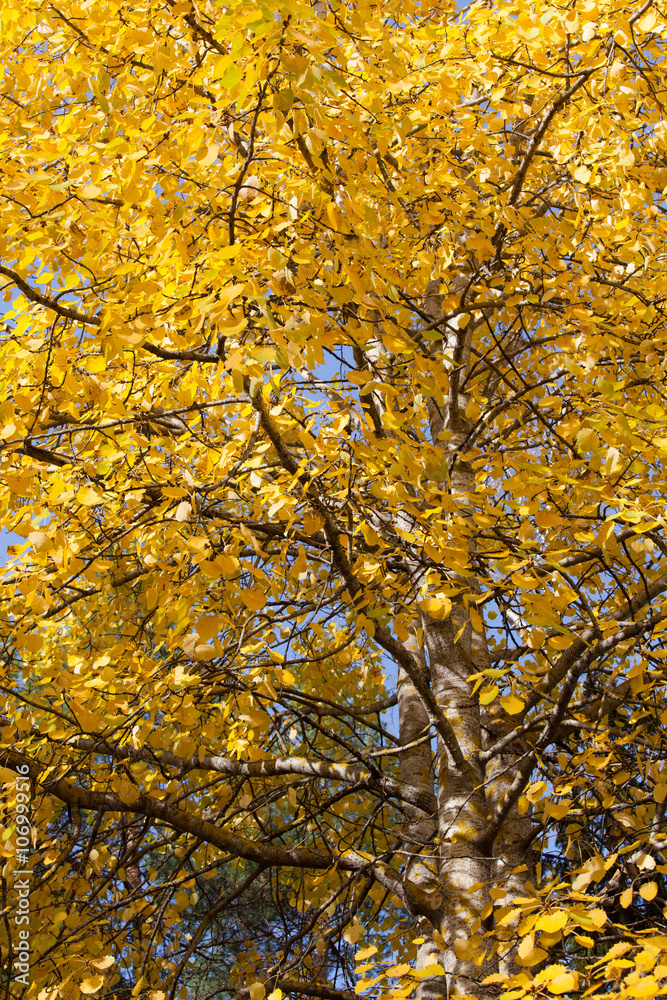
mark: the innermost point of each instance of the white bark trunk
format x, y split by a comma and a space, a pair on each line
467, 796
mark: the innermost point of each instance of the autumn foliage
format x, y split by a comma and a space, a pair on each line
334, 430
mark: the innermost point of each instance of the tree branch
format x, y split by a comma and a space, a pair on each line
417, 674
267, 769
551, 726
73, 314
167, 355
562, 665
541, 130
320, 990
419, 901
44, 300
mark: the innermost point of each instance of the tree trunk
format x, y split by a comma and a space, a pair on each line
453, 650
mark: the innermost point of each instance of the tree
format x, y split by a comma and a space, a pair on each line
334, 382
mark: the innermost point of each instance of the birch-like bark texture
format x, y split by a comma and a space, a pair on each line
332, 477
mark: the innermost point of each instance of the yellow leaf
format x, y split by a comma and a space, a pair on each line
183, 511
439, 940
591, 871
644, 989
648, 21
605, 533
533, 957
103, 963
547, 518
228, 294
563, 983
510, 916
437, 606
536, 638
582, 174
228, 565
463, 948
249, 189
285, 677
257, 991
559, 641
204, 651
88, 496
526, 946
649, 891
552, 922
209, 627
536, 790
282, 281
365, 984
487, 694
352, 933
254, 600
39, 604
312, 523
626, 897
130, 337
92, 985
127, 792
476, 620
397, 970
598, 916
210, 157
68, 991
365, 953
512, 704
40, 541
429, 970
224, 253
